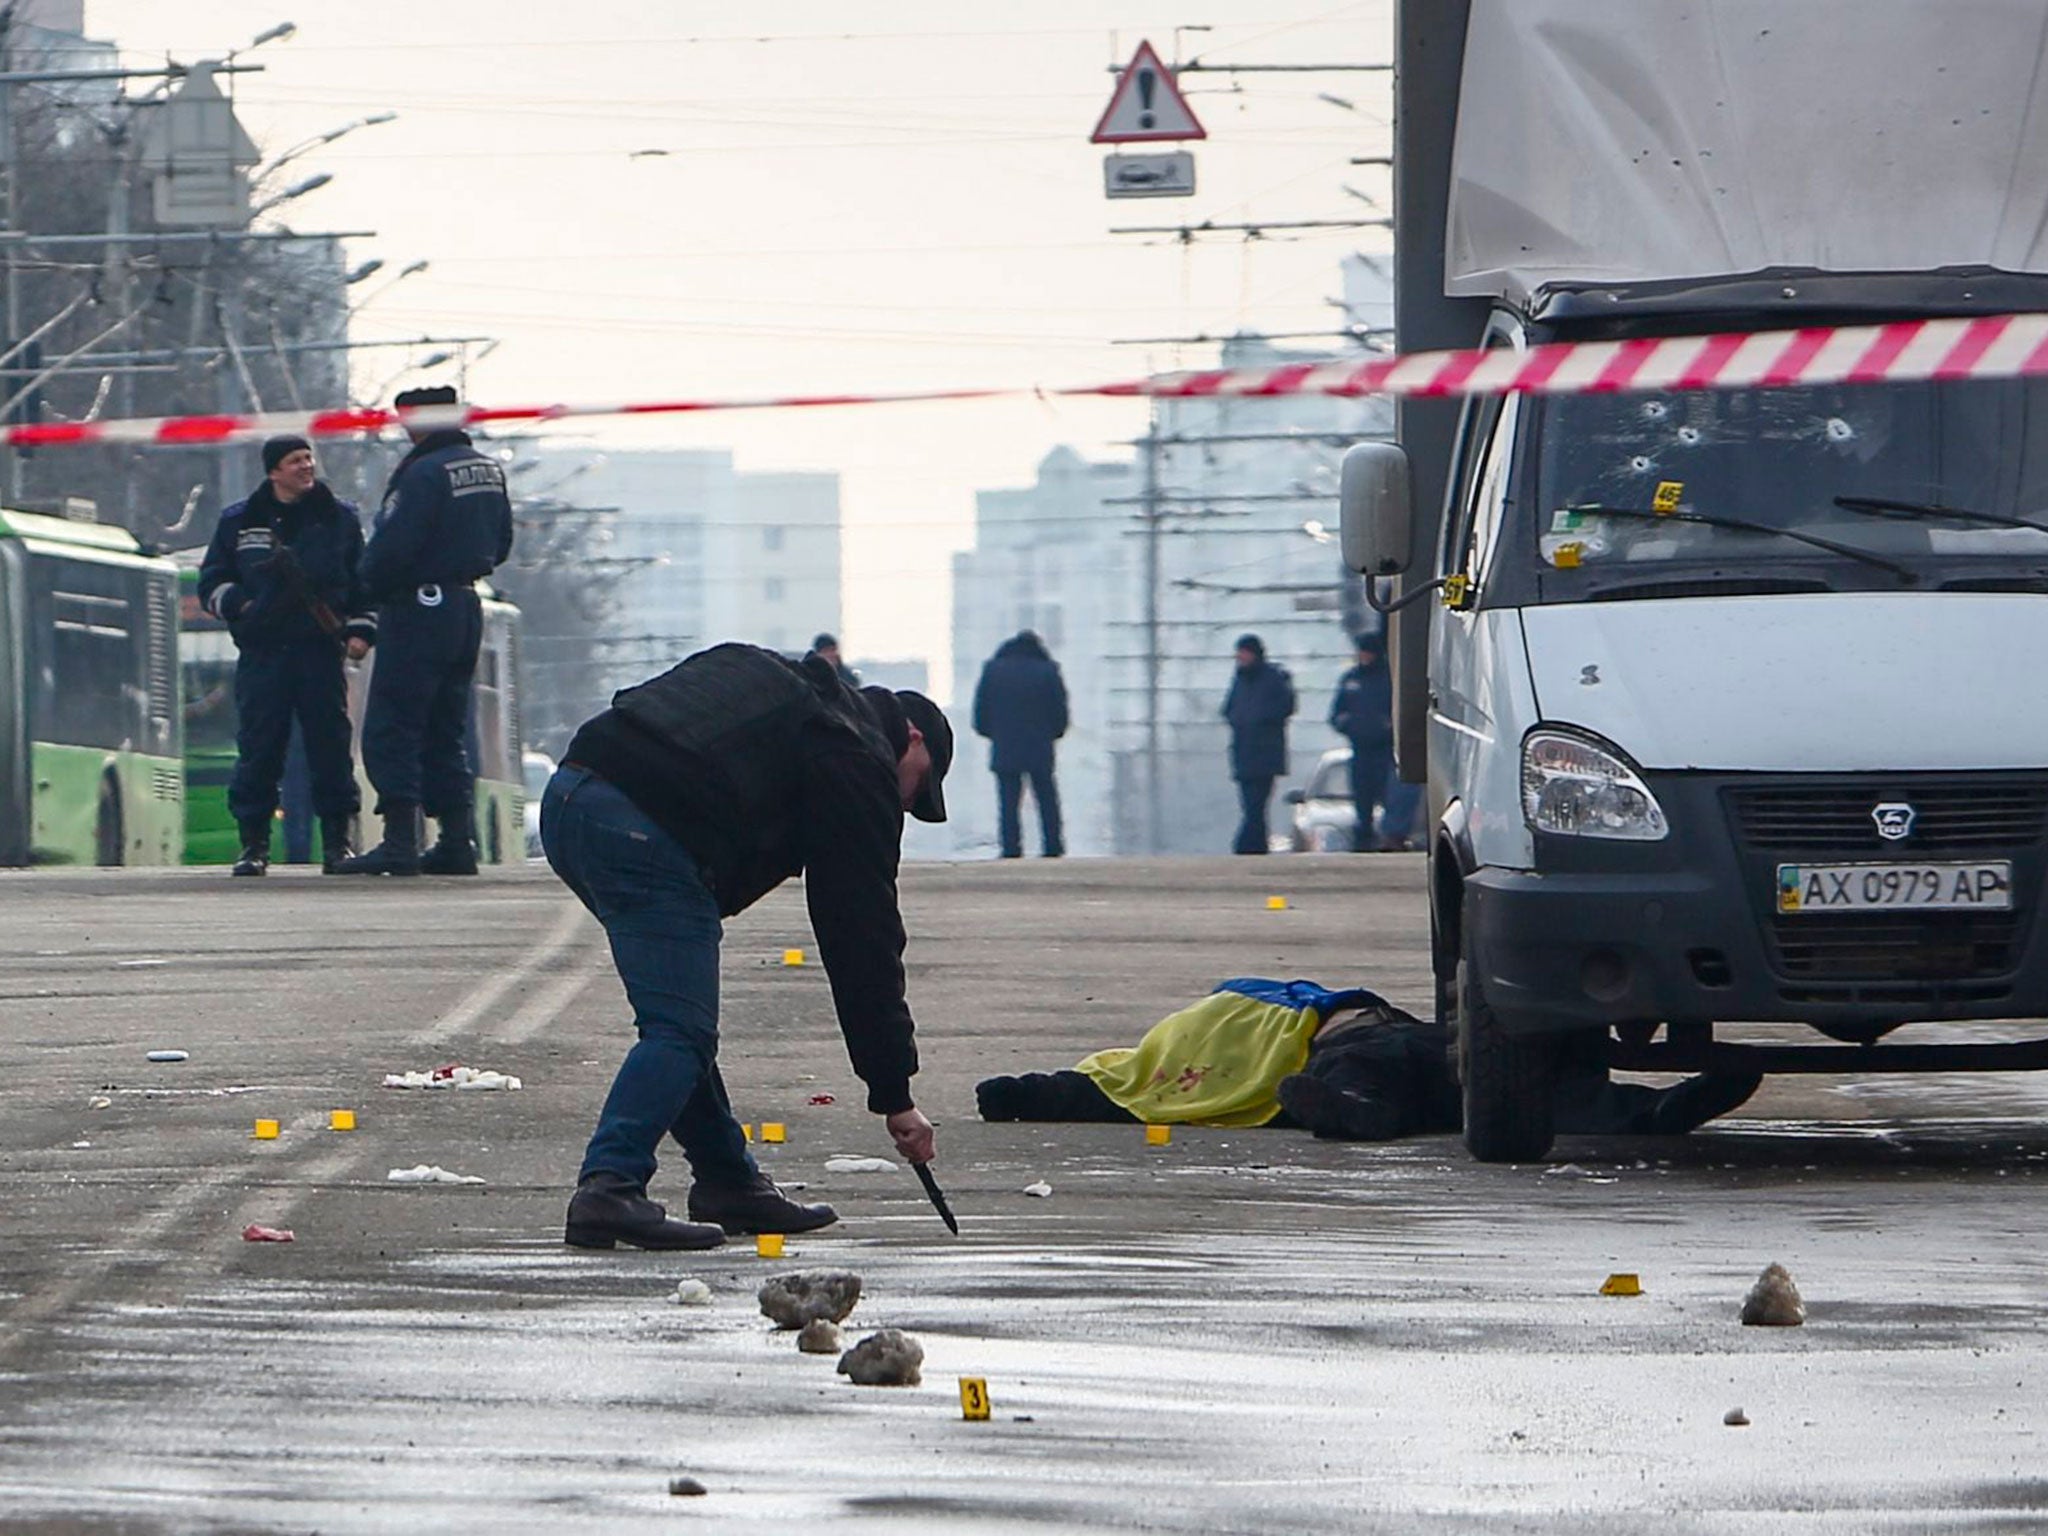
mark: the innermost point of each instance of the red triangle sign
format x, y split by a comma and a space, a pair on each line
1146, 105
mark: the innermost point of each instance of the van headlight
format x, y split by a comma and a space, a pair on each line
1575, 787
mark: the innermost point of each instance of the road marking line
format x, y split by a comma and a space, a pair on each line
489, 994
546, 1005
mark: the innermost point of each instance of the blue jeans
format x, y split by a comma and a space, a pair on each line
662, 920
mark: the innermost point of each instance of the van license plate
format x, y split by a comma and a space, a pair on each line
1923, 887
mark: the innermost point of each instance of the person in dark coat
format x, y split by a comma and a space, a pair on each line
687, 801
446, 524
826, 645
1362, 712
1258, 706
283, 572
1020, 705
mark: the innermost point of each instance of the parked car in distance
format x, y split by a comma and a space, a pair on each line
538, 768
1325, 821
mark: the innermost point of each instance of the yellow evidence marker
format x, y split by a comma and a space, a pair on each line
746, 1130
774, 1130
1622, 1285
768, 1245
973, 1397
1158, 1135
792, 957
266, 1130
1276, 903
341, 1120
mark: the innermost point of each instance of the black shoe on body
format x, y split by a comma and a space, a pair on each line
608, 1209
755, 1207
398, 854
1691, 1104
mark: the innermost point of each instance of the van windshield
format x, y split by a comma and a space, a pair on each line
1940, 480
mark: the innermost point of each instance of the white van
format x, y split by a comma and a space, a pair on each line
1725, 696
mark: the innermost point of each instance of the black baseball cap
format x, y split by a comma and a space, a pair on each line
899, 711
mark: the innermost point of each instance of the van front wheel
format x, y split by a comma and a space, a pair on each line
1508, 1080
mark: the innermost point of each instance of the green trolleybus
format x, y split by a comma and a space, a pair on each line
92, 764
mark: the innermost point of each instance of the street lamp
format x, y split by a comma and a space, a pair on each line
306, 146
430, 361
276, 34
410, 269
312, 183
367, 269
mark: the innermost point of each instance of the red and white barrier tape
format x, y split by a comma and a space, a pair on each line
1987, 347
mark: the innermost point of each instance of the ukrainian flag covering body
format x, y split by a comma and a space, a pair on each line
1220, 1061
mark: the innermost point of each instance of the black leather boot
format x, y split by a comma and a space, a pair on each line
399, 853
334, 844
755, 1207
608, 1209
255, 859
454, 851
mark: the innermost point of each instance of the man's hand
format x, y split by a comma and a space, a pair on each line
912, 1134
357, 648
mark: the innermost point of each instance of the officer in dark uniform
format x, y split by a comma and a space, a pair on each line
283, 573
446, 524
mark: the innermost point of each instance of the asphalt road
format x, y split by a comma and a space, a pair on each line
1241, 1331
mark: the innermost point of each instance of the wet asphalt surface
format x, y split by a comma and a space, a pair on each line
1241, 1331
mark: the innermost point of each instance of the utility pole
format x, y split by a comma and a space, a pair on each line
1155, 835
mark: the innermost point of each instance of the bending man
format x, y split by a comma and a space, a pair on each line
687, 801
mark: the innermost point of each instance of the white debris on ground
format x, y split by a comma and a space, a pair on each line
1735, 1418
692, 1293
170, 1056
429, 1173
820, 1336
453, 1077
790, 1301
99, 1101
859, 1165
1774, 1301
1041, 1190
887, 1359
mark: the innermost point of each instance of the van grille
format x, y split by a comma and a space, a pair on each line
1978, 813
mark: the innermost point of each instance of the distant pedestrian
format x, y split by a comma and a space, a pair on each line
1260, 701
284, 574
1020, 705
1362, 712
446, 524
827, 646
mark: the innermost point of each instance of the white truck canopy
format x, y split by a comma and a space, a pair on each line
1613, 144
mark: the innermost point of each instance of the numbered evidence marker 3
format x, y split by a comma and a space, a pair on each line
973, 1397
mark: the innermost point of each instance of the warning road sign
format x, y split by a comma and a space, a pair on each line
1146, 105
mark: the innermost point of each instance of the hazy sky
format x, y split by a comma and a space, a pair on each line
876, 196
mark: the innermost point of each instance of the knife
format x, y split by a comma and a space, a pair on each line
938, 1196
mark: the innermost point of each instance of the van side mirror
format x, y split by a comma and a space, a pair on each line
1375, 507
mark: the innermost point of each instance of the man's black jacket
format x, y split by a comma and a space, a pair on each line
765, 768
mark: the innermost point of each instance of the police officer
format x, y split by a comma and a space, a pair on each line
283, 573
687, 801
446, 524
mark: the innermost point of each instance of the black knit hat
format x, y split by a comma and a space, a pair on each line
277, 449
1253, 644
